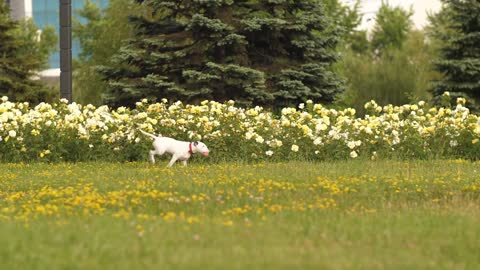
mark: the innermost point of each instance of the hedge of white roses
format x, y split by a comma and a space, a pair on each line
73, 132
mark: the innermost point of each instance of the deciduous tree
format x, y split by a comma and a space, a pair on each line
100, 33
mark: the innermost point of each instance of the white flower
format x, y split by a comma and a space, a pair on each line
453, 143
4, 98
274, 143
294, 148
353, 154
142, 115
259, 139
395, 140
320, 127
249, 135
461, 101
12, 133
351, 144
269, 153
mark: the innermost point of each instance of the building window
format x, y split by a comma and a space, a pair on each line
46, 12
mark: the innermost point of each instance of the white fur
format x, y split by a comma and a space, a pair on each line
179, 150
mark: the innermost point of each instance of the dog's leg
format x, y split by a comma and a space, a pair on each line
151, 156
184, 163
174, 158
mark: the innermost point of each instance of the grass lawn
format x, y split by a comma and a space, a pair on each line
296, 215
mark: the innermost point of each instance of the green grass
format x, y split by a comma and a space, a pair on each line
336, 215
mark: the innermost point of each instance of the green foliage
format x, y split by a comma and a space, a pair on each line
272, 53
348, 19
328, 215
394, 67
100, 37
459, 35
23, 52
72, 132
397, 76
37, 44
359, 42
267, 216
392, 25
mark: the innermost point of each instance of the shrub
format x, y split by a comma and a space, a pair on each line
74, 132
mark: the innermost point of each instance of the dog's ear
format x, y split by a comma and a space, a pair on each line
195, 143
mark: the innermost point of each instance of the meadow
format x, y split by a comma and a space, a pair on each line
355, 214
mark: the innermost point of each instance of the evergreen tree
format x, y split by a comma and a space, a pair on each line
460, 52
264, 52
20, 57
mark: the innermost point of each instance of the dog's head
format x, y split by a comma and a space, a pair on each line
201, 148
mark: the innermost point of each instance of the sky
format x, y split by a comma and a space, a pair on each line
420, 8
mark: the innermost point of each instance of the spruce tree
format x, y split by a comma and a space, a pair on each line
265, 52
17, 66
460, 52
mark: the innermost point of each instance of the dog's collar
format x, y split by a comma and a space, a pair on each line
190, 149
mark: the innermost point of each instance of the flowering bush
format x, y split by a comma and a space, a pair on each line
73, 132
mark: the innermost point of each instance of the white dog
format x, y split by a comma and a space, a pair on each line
179, 150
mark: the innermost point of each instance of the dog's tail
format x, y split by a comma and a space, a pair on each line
150, 134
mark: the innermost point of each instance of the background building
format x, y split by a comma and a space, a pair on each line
46, 12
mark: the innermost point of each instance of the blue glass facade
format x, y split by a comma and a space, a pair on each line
46, 12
